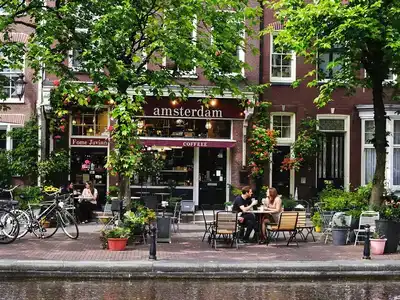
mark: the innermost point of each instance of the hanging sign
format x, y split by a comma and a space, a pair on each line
78, 142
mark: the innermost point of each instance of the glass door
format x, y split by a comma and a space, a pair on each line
212, 176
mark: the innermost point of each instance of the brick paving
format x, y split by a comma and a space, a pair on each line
185, 246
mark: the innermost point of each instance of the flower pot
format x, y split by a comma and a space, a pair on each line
117, 244
339, 236
391, 231
228, 207
317, 229
378, 246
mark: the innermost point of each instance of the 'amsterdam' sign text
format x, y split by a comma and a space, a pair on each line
187, 112
89, 142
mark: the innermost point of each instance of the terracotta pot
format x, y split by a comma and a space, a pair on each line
117, 244
378, 246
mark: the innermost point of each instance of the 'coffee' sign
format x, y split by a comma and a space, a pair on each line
89, 142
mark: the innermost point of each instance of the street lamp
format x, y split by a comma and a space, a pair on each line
20, 86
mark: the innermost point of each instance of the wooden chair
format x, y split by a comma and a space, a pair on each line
287, 222
302, 225
226, 225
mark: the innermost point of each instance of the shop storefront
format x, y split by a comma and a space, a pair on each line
196, 143
89, 149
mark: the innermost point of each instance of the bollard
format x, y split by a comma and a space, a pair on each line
153, 242
367, 248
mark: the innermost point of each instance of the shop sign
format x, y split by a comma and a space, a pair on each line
189, 144
193, 108
89, 142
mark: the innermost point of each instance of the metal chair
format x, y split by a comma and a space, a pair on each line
366, 217
175, 219
187, 207
208, 225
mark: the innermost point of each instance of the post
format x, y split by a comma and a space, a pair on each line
367, 249
153, 242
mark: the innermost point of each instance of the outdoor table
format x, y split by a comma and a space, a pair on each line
162, 195
260, 218
135, 198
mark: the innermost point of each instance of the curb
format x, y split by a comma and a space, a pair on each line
200, 269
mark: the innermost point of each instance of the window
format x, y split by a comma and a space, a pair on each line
188, 69
325, 69
283, 63
331, 125
3, 139
74, 61
396, 152
282, 124
391, 77
369, 151
9, 76
234, 50
90, 123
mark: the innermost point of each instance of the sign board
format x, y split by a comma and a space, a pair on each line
204, 143
88, 142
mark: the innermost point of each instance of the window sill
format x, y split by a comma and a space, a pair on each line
284, 83
13, 101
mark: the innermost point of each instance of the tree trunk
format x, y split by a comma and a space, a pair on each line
379, 143
125, 190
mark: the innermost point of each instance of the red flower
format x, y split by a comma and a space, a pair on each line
110, 128
62, 128
88, 99
217, 53
56, 82
254, 126
96, 89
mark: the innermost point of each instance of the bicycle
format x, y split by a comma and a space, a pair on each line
9, 227
53, 216
12, 205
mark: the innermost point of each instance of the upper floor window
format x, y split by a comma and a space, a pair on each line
283, 63
93, 123
369, 131
327, 66
9, 73
74, 61
284, 124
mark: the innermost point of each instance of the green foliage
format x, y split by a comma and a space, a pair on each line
136, 221
116, 232
51, 168
228, 203
289, 203
6, 172
389, 211
235, 191
354, 202
31, 194
316, 219
24, 155
113, 190
150, 164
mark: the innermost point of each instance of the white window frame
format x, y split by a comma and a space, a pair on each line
239, 50
391, 148
392, 80
8, 127
292, 137
107, 110
364, 145
71, 61
323, 80
15, 100
192, 73
274, 79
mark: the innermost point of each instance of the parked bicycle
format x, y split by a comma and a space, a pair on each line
9, 227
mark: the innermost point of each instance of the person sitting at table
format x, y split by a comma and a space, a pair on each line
88, 202
68, 189
273, 206
243, 204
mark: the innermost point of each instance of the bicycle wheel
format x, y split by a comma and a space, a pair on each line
68, 224
9, 227
47, 226
24, 222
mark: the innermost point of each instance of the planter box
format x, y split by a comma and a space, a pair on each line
117, 244
391, 231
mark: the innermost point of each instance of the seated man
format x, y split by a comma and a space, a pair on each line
243, 205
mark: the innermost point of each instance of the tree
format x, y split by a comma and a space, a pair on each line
364, 35
122, 46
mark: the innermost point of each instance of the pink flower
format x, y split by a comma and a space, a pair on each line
110, 128
87, 162
56, 82
57, 137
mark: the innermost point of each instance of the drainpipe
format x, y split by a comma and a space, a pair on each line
41, 124
248, 113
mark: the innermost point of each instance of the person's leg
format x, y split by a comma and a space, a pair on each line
84, 208
250, 222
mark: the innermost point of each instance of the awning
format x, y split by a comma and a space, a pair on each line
202, 143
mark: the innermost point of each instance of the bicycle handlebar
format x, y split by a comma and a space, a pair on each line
10, 190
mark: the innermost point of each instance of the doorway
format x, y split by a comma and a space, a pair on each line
212, 176
280, 178
330, 161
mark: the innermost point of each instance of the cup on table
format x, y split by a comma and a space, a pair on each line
254, 201
261, 208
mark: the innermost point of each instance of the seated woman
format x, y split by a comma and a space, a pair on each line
273, 206
88, 202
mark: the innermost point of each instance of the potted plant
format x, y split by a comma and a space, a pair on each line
234, 192
317, 221
138, 221
228, 206
388, 225
116, 238
378, 243
340, 230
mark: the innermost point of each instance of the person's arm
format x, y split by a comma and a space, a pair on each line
247, 208
95, 195
278, 206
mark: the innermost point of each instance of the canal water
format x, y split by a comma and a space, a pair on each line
196, 290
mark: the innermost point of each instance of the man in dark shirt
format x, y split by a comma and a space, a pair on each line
244, 205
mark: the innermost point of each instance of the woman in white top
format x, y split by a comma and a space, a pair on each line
273, 206
89, 202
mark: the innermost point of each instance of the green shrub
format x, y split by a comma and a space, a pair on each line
289, 203
317, 220
31, 194
117, 232
235, 191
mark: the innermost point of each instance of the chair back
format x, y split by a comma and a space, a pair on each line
116, 205
226, 221
340, 219
107, 208
327, 218
187, 206
301, 221
368, 217
288, 220
176, 210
